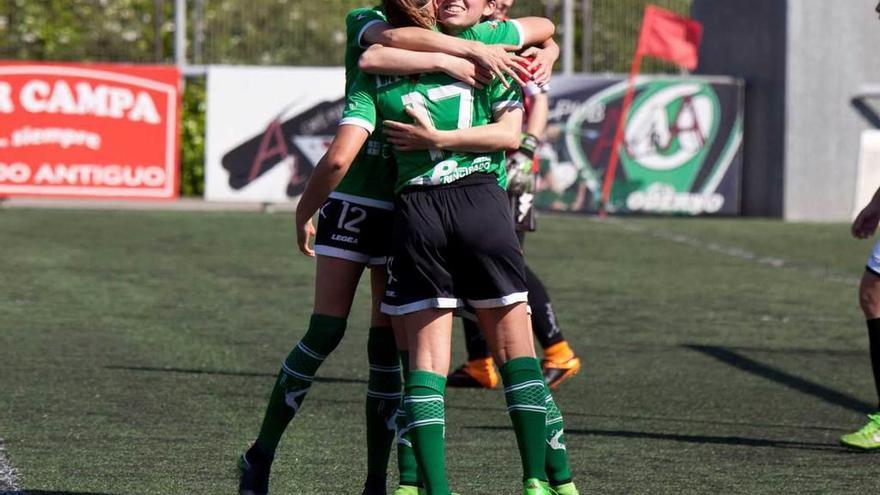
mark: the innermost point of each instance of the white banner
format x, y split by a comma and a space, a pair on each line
266, 129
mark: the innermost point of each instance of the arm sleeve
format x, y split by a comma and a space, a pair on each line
357, 22
502, 98
507, 32
360, 104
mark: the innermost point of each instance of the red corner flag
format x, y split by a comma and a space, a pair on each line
669, 36
665, 35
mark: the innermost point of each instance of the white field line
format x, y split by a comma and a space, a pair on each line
735, 252
8, 476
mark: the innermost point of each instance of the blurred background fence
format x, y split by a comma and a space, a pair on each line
267, 32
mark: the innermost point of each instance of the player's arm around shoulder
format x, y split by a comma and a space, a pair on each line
502, 134
390, 61
534, 30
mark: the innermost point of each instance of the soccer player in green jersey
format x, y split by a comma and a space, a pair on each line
354, 234
389, 61
559, 362
453, 239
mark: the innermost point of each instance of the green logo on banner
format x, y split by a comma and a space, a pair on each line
671, 128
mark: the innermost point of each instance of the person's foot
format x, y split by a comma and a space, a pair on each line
534, 486
476, 373
867, 438
254, 467
559, 364
566, 489
407, 490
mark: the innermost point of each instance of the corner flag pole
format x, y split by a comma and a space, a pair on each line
665, 35
619, 134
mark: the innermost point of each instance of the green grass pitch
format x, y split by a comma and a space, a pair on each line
137, 351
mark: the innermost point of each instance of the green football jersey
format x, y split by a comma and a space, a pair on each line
356, 23
508, 32
449, 103
370, 176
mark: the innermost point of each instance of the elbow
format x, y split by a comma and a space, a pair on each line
368, 60
336, 166
549, 28
512, 141
332, 165
543, 30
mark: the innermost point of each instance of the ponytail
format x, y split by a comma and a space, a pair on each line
405, 13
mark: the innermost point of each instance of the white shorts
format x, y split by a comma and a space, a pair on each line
874, 260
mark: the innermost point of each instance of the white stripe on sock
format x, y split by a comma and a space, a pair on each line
520, 386
312, 354
296, 374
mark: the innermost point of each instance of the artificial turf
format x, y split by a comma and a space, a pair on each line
137, 351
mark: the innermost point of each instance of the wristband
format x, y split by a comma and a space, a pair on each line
528, 145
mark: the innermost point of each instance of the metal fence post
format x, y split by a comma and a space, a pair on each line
180, 34
586, 34
568, 37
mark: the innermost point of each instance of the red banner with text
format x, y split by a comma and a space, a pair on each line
89, 130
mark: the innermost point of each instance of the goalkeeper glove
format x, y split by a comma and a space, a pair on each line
520, 178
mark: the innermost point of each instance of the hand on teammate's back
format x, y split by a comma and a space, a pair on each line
541, 64
498, 60
420, 135
467, 71
866, 222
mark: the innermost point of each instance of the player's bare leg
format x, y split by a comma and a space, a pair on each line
335, 284
408, 471
510, 339
429, 337
868, 438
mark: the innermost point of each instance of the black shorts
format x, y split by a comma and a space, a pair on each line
355, 228
453, 245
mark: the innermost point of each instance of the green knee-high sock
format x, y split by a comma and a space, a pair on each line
297, 372
558, 470
383, 400
406, 457
524, 392
424, 405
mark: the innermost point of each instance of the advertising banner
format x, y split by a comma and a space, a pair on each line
681, 154
89, 130
267, 128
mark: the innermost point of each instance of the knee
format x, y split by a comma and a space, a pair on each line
324, 334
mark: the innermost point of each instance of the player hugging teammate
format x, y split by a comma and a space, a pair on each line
559, 362
453, 240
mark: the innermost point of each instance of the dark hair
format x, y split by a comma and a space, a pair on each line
404, 13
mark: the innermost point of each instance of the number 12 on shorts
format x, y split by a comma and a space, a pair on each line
357, 212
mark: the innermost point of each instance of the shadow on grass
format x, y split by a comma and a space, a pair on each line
195, 371
43, 492
698, 439
754, 367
